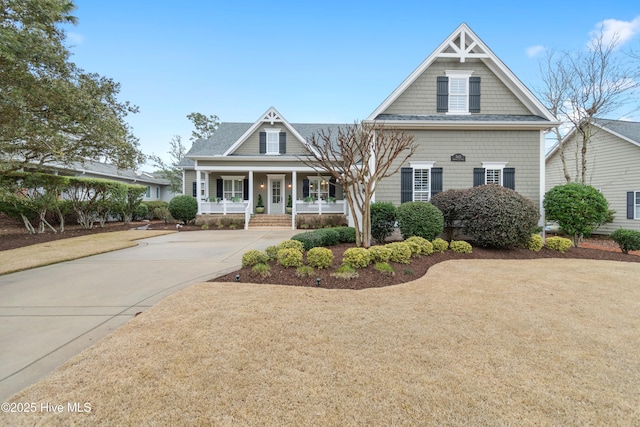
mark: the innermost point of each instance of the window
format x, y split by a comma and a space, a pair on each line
633, 205
458, 95
233, 189
273, 145
420, 182
494, 173
637, 205
319, 187
492, 176
148, 195
421, 189
458, 92
157, 192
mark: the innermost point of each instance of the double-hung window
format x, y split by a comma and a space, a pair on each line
319, 187
273, 142
232, 188
633, 205
419, 182
421, 186
494, 173
458, 92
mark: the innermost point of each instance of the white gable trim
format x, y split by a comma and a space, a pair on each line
449, 49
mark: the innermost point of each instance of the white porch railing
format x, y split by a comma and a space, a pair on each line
337, 207
224, 207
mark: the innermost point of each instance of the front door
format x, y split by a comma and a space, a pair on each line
276, 195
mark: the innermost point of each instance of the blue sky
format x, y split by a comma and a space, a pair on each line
319, 62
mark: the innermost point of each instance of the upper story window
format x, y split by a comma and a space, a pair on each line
273, 141
458, 92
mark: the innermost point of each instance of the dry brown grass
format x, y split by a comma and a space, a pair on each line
72, 248
474, 342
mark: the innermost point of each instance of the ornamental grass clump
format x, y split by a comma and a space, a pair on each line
400, 252
424, 246
320, 258
379, 253
253, 257
460, 246
345, 272
356, 257
535, 243
290, 257
558, 243
305, 271
628, 240
440, 245
262, 270
384, 268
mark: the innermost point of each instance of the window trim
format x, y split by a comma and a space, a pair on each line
458, 75
318, 193
276, 133
636, 205
422, 166
487, 166
233, 179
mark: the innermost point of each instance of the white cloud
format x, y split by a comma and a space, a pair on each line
535, 50
74, 39
613, 29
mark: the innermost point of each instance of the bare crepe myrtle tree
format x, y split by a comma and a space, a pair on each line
358, 158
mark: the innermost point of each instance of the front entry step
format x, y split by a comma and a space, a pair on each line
270, 221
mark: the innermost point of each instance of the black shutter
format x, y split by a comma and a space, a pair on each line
406, 185
245, 189
474, 94
478, 176
305, 188
436, 181
442, 94
509, 178
263, 142
219, 188
332, 187
194, 188
631, 206
283, 142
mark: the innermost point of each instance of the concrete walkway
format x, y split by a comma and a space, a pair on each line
50, 314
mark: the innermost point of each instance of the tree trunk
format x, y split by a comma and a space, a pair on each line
27, 224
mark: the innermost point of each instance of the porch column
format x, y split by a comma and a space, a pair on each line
294, 194
206, 185
251, 191
198, 197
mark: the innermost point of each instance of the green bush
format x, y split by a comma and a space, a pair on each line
450, 203
558, 243
141, 212
460, 246
535, 243
356, 257
424, 246
379, 253
400, 252
253, 257
440, 245
384, 268
291, 244
345, 272
320, 258
183, 208
328, 236
309, 239
305, 271
628, 240
498, 217
383, 219
261, 269
271, 252
289, 257
577, 208
163, 214
419, 219
346, 234
155, 204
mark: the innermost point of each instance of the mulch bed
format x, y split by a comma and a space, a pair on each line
371, 278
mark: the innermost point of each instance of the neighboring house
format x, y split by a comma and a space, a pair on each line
157, 188
473, 121
613, 160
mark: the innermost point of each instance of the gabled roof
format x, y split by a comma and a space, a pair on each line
628, 131
463, 44
108, 171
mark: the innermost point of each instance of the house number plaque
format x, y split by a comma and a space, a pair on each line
458, 158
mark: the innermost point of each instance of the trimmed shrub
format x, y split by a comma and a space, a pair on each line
290, 257
424, 246
328, 236
419, 219
384, 268
253, 257
183, 208
346, 234
440, 245
141, 212
155, 204
498, 217
579, 209
379, 253
271, 252
535, 243
320, 258
460, 246
383, 219
356, 257
451, 204
345, 272
291, 244
305, 271
163, 214
558, 243
400, 252
309, 239
261, 269
628, 240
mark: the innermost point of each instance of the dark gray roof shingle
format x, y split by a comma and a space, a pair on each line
629, 130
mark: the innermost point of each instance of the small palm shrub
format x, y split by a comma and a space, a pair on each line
419, 219
400, 252
290, 257
345, 272
262, 270
291, 244
384, 268
558, 243
535, 243
305, 271
440, 245
628, 240
356, 257
460, 246
379, 253
320, 258
424, 246
383, 219
253, 257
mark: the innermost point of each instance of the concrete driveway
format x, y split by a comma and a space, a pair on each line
49, 314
